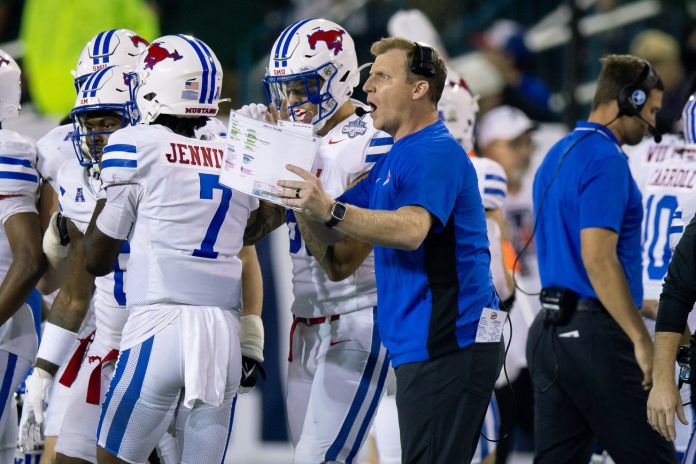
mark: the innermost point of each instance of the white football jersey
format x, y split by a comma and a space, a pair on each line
18, 178
348, 151
492, 182
53, 149
77, 199
666, 176
189, 229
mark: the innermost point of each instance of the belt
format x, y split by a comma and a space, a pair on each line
590, 304
308, 321
316, 320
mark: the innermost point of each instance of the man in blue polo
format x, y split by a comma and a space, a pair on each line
589, 353
420, 206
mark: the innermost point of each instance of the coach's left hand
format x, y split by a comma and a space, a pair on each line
307, 194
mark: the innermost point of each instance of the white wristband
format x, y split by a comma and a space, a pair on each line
57, 344
251, 337
51, 241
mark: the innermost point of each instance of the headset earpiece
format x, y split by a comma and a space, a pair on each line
632, 97
423, 61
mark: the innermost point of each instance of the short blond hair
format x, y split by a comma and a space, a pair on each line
436, 82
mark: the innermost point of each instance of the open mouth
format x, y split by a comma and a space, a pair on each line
373, 108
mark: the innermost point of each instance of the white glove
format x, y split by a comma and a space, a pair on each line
254, 111
38, 387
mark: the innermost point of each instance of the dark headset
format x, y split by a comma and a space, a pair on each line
423, 63
632, 96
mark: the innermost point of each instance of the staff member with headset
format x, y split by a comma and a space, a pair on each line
589, 353
421, 208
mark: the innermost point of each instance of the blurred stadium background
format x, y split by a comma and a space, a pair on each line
556, 43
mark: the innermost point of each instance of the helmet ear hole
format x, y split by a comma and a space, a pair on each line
150, 96
344, 77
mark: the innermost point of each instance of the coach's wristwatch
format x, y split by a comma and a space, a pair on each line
338, 212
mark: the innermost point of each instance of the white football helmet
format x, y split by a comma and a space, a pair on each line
105, 91
689, 121
315, 58
10, 87
108, 48
178, 75
457, 108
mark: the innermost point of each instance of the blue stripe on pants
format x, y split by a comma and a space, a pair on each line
370, 412
229, 430
118, 375
130, 397
6, 389
339, 443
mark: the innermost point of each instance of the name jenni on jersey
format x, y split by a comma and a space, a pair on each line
195, 155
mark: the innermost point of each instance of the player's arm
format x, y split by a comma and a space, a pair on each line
251, 333
503, 277
677, 299
262, 221
341, 259
252, 282
69, 308
59, 336
598, 251
48, 204
28, 262
101, 250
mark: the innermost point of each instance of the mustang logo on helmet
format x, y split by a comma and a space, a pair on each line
137, 41
157, 53
4, 61
332, 38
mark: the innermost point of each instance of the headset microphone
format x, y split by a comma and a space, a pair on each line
654, 131
360, 112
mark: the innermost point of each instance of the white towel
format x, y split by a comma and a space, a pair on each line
209, 336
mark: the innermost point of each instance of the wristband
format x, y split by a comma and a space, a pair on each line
251, 337
57, 344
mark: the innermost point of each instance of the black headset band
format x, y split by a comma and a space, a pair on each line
423, 63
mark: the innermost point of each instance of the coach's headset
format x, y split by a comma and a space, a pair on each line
633, 96
423, 63
631, 100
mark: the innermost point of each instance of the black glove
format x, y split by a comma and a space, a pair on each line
62, 224
251, 368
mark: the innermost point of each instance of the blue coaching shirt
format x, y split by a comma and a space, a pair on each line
593, 188
430, 299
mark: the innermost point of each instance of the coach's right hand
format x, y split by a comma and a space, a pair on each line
663, 402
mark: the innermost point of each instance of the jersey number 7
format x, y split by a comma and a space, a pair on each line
210, 182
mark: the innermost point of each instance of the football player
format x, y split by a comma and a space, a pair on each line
107, 48
179, 356
21, 260
337, 363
